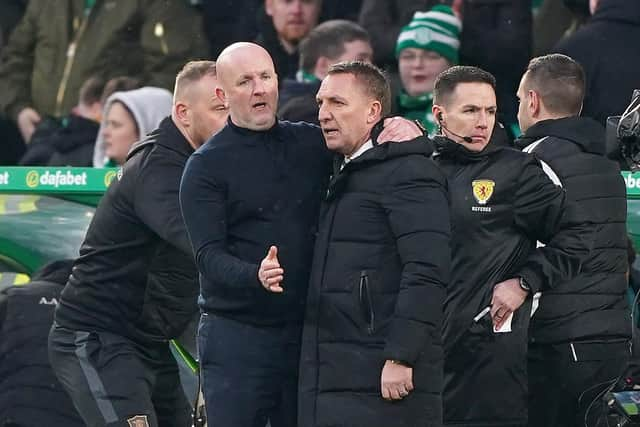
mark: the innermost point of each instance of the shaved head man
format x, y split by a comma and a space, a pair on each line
252, 93
250, 199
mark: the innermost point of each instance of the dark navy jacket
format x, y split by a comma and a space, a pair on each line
242, 192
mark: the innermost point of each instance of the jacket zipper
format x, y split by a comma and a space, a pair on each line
71, 54
367, 306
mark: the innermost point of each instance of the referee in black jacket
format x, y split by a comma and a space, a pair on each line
501, 204
579, 339
134, 285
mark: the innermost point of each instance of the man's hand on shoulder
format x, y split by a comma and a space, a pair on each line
270, 273
399, 129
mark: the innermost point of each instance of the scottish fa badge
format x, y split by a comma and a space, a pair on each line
138, 421
483, 190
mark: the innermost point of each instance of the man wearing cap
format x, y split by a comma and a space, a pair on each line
427, 46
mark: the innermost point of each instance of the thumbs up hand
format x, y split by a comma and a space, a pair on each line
270, 273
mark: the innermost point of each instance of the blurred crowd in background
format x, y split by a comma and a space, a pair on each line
81, 80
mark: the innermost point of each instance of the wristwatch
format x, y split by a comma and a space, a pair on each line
524, 285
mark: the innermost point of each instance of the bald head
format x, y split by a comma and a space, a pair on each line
248, 85
241, 57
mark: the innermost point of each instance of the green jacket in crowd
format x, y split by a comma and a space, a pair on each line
59, 44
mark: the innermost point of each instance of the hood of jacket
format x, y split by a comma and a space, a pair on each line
582, 131
167, 135
378, 154
391, 150
148, 105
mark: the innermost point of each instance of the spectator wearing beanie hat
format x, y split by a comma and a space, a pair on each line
425, 48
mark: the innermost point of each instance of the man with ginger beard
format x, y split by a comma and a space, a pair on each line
290, 21
254, 189
134, 285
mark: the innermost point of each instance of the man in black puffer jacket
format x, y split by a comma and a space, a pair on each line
579, 337
501, 203
372, 353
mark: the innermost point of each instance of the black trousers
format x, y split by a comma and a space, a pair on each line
249, 373
566, 381
115, 382
485, 375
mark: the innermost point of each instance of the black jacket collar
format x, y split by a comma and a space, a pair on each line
392, 150
385, 151
448, 149
275, 131
377, 154
167, 135
582, 131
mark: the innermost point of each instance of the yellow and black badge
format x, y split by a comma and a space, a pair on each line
138, 421
483, 190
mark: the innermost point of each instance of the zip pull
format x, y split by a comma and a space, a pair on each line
365, 292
